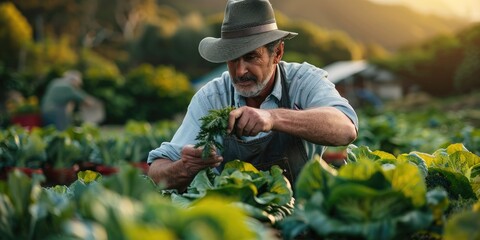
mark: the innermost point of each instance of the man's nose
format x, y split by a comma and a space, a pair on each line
240, 67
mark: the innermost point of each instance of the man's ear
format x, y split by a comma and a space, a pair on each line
278, 52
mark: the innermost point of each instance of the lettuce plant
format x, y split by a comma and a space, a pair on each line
21, 148
364, 199
455, 169
29, 212
265, 195
128, 206
463, 225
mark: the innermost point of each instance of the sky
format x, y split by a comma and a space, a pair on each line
468, 9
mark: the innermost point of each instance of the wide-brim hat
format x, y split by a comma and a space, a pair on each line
247, 25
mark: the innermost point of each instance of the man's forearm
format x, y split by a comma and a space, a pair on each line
170, 173
325, 125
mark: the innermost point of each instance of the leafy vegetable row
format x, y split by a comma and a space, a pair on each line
375, 196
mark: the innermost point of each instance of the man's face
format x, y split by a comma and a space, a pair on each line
251, 72
76, 82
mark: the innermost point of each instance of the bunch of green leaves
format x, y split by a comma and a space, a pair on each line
140, 137
213, 125
130, 182
21, 148
264, 195
134, 143
463, 225
122, 206
119, 217
396, 132
87, 136
63, 151
363, 199
454, 168
385, 159
470, 137
29, 212
129, 206
110, 151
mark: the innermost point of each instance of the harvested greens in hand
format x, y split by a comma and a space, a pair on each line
213, 125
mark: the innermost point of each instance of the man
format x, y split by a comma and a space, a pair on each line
285, 112
59, 99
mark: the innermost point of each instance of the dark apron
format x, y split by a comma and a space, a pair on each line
276, 148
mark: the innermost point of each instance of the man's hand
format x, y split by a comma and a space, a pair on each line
248, 121
90, 101
320, 125
193, 162
179, 174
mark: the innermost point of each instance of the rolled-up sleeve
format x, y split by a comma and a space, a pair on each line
212, 96
185, 134
311, 88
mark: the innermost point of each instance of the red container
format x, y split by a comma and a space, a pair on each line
27, 121
27, 171
106, 170
60, 176
83, 166
141, 165
335, 158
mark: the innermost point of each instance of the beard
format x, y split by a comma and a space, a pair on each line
250, 91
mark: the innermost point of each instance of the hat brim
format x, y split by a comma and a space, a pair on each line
218, 50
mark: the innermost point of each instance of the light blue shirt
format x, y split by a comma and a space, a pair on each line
308, 88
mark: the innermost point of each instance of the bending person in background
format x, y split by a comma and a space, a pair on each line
59, 101
285, 112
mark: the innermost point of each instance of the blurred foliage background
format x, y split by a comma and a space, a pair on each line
140, 56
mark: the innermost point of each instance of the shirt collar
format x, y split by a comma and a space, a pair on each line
277, 88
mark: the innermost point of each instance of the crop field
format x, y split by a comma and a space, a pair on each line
409, 69
408, 176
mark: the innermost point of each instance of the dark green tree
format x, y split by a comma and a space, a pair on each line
320, 45
429, 66
467, 74
172, 42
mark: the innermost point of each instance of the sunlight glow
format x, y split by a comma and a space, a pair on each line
467, 9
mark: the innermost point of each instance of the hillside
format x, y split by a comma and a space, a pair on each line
388, 25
